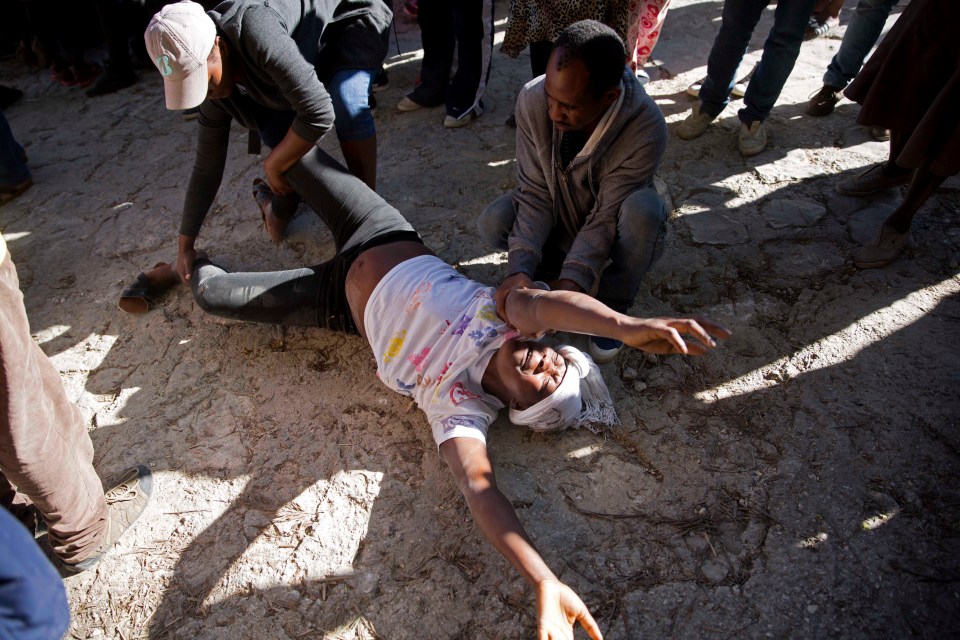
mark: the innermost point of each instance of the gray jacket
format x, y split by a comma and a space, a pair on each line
285, 49
584, 200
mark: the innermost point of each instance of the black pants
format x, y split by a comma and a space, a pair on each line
447, 25
312, 296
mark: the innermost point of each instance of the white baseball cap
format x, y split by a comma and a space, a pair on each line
179, 39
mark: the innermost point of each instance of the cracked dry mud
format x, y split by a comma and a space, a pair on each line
801, 481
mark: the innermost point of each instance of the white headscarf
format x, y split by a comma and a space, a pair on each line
582, 399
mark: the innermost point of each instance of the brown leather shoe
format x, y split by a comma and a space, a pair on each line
823, 102
125, 502
882, 249
872, 180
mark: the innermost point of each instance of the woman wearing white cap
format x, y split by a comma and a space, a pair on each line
283, 69
441, 339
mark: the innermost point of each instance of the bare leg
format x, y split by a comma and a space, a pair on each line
893, 233
922, 186
361, 157
898, 141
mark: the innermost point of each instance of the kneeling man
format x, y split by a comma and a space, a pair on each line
589, 140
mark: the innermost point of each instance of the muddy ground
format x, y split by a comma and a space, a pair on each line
801, 481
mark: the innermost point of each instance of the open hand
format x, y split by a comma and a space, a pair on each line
558, 608
689, 336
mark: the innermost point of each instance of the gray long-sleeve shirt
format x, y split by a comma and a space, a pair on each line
583, 199
280, 47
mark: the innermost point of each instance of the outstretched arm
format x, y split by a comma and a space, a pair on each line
533, 312
558, 607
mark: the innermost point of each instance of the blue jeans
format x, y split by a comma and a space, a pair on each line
33, 602
861, 34
638, 244
350, 93
13, 170
780, 51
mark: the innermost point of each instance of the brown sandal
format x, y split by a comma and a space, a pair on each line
143, 294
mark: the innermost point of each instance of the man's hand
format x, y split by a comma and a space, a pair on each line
516, 281
186, 255
567, 285
558, 608
666, 335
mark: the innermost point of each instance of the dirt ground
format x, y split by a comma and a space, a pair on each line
801, 481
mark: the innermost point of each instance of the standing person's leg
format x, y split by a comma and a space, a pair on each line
881, 176
892, 235
14, 175
435, 18
779, 55
119, 73
33, 602
648, 24
862, 33
350, 93
740, 17
473, 23
539, 57
45, 450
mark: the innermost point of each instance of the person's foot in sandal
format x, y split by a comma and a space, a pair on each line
148, 288
275, 211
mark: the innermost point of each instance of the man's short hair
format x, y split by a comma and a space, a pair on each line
599, 48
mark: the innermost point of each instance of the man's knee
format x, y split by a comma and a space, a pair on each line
496, 221
642, 214
641, 229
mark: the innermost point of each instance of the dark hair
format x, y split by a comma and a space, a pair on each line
599, 48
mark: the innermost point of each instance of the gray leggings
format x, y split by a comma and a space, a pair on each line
312, 296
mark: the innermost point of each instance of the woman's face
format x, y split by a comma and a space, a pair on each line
529, 371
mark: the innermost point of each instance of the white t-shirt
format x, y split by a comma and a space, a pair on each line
433, 332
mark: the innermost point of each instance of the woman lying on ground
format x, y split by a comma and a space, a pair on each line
440, 338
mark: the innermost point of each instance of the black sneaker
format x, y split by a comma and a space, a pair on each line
112, 80
823, 101
125, 502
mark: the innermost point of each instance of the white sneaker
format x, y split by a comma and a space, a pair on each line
603, 350
753, 139
739, 89
695, 124
455, 123
406, 104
